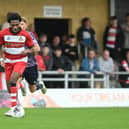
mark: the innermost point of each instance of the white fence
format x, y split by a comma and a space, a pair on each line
72, 76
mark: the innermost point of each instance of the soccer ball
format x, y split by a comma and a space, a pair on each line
18, 112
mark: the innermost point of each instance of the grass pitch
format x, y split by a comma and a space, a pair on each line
78, 118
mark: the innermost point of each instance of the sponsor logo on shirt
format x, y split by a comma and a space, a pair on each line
14, 38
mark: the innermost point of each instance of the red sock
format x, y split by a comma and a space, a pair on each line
13, 94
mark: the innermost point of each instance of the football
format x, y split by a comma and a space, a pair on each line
18, 112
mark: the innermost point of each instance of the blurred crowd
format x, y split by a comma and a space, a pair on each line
81, 52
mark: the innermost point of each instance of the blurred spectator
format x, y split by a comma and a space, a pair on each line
70, 49
64, 39
106, 63
90, 63
47, 57
86, 36
124, 79
61, 63
56, 42
113, 39
125, 27
43, 40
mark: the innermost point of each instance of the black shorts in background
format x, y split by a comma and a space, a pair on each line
1, 69
31, 75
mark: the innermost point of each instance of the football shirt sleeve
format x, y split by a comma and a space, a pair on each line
29, 41
1, 39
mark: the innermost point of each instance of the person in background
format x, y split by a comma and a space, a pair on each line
60, 63
106, 63
113, 39
86, 36
47, 57
70, 49
107, 67
125, 27
56, 42
64, 39
43, 40
89, 64
124, 79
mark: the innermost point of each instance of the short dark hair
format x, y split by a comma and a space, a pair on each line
91, 49
58, 49
71, 36
113, 18
85, 19
14, 16
42, 35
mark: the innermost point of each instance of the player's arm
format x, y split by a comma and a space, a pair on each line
32, 47
1, 50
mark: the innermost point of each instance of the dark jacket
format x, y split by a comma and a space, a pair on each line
91, 31
119, 37
1, 69
70, 49
62, 63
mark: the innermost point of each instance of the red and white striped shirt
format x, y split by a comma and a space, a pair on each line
14, 44
111, 39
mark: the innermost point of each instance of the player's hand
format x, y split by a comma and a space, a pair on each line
26, 51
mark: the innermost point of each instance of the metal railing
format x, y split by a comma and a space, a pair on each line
67, 77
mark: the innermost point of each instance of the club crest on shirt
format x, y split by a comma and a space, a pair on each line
14, 38
21, 39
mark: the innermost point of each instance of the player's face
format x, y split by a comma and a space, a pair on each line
15, 26
23, 25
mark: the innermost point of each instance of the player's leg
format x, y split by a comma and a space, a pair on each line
31, 75
17, 71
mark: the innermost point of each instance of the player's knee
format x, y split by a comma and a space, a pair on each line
13, 81
32, 88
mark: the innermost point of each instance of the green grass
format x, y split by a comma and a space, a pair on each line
78, 118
